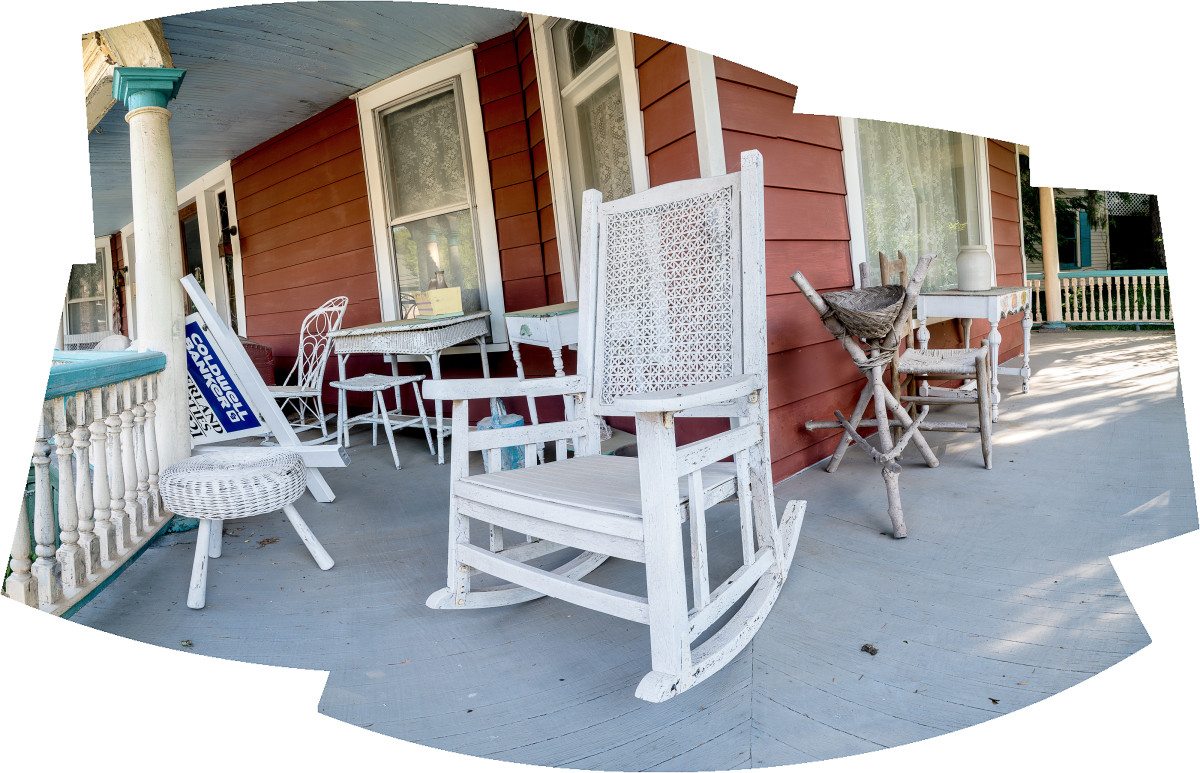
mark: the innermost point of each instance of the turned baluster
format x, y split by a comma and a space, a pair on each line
1126, 315
21, 585
143, 473
1037, 307
45, 568
105, 533
129, 464
70, 557
1094, 283
152, 448
84, 501
116, 475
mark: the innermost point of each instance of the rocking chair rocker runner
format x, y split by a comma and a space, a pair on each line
673, 322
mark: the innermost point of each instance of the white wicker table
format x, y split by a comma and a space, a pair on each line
426, 337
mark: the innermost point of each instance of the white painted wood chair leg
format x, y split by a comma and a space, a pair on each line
319, 554
387, 426
424, 418
216, 530
199, 581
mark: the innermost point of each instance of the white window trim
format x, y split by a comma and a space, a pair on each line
130, 262
706, 110
203, 192
456, 64
856, 215
556, 140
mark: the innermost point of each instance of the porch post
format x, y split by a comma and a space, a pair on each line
145, 92
1050, 259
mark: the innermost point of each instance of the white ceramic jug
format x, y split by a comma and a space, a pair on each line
974, 268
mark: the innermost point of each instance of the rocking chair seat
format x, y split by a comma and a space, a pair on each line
603, 494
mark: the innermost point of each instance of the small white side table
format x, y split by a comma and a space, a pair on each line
992, 305
551, 326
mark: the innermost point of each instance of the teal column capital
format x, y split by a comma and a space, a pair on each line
146, 86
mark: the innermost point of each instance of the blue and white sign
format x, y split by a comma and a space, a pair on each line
217, 406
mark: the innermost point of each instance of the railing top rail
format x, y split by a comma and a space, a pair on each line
79, 371
1085, 272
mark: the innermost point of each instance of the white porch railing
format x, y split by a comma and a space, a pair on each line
98, 424
1109, 297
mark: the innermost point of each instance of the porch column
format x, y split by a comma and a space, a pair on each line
1050, 259
145, 92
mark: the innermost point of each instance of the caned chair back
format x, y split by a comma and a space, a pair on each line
672, 288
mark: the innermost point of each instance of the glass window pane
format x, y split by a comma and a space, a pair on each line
918, 196
423, 147
86, 317
585, 43
440, 243
604, 144
87, 280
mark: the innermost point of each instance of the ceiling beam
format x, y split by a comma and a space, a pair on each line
141, 44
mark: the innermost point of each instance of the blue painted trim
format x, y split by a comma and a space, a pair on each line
1142, 272
79, 371
78, 605
146, 86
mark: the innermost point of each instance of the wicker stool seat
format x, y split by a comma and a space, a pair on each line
235, 483
938, 362
377, 384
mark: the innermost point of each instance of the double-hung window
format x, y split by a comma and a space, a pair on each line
428, 184
86, 314
588, 88
920, 193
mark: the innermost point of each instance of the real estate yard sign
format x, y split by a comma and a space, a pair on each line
217, 405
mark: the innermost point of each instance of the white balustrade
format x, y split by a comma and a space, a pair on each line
105, 508
1109, 298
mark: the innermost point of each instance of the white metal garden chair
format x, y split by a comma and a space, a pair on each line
301, 389
673, 323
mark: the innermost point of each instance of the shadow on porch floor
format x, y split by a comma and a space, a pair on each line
1002, 595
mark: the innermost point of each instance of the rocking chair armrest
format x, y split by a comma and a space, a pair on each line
671, 400
480, 388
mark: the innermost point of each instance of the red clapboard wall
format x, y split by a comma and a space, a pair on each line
809, 375
305, 233
665, 97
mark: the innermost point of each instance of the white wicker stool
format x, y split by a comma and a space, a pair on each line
377, 385
235, 483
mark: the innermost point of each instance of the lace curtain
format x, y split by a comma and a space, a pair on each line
915, 196
425, 156
606, 149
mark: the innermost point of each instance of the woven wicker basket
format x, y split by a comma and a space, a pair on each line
869, 312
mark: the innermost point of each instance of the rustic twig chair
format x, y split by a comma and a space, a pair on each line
673, 322
911, 370
305, 380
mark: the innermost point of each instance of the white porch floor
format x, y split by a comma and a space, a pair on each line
1002, 595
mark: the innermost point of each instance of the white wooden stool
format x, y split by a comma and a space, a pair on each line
235, 483
377, 385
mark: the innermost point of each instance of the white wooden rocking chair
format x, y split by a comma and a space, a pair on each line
301, 388
673, 322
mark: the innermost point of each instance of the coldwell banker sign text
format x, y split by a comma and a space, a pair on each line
217, 407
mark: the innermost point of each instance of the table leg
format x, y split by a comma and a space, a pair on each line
994, 350
923, 343
343, 409
1026, 325
556, 353
435, 365
530, 401
483, 355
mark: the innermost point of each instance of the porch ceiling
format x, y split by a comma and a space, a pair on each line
254, 71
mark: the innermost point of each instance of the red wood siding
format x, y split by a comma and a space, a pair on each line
808, 373
305, 234
516, 151
1006, 233
665, 97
